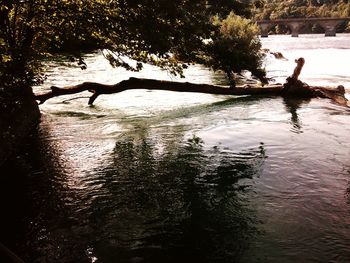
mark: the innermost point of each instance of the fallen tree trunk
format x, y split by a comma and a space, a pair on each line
293, 88
151, 84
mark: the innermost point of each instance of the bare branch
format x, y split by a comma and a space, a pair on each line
292, 88
151, 84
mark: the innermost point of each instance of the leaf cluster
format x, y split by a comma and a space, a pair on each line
235, 47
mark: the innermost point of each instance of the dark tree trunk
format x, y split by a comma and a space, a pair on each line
292, 88
151, 84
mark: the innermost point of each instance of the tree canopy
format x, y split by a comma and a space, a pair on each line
169, 34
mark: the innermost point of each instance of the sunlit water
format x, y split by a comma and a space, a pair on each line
174, 177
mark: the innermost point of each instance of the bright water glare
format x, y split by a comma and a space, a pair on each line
182, 177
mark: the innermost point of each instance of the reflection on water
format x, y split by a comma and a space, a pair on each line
292, 105
181, 203
154, 193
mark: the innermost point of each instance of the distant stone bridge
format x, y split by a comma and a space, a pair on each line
329, 24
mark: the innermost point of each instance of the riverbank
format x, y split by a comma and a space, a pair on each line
19, 115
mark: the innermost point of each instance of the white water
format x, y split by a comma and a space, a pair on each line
327, 58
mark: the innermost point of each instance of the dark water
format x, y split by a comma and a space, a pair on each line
166, 177
184, 204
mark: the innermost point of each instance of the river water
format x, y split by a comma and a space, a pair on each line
171, 177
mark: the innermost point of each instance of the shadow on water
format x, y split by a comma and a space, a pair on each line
33, 201
175, 202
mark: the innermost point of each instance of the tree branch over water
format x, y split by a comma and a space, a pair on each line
152, 84
292, 88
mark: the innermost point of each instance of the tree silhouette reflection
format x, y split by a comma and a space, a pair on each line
152, 201
184, 204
